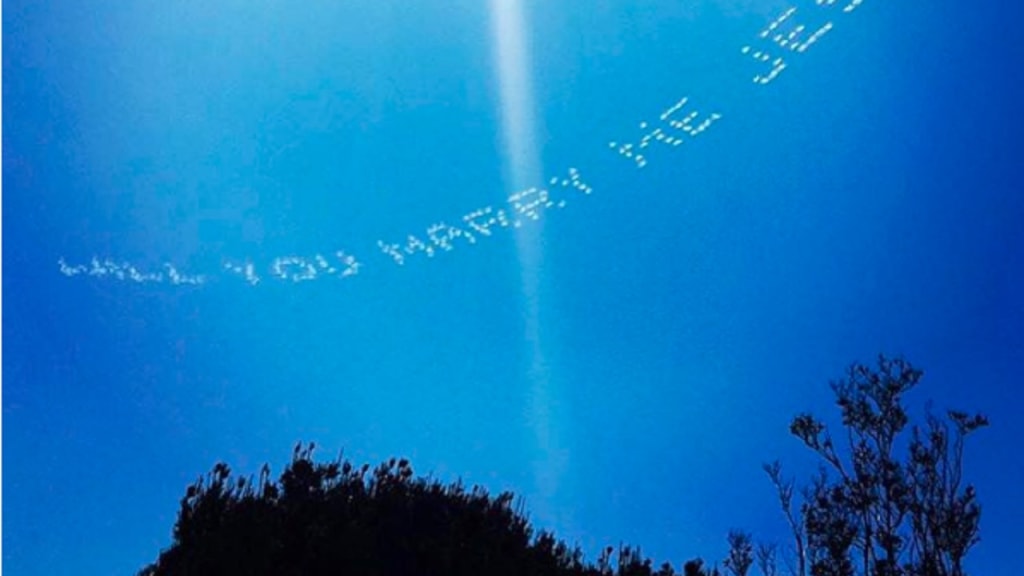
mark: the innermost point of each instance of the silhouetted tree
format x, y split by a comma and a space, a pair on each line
871, 511
695, 567
880, 506
335, 518
741, 554
766, 559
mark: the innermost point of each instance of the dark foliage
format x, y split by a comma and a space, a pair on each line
338, 519
886, 503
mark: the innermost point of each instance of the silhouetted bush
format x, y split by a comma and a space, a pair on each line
868, 512
337, 519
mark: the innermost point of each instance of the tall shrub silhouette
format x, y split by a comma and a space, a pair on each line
887, 503
334, 518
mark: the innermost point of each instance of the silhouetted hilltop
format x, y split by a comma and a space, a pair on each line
336, 518
873, 510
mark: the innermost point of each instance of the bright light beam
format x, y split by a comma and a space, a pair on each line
522, 170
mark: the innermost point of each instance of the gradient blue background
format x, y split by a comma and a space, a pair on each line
868, 200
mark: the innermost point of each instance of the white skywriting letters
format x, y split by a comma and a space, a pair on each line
786, 36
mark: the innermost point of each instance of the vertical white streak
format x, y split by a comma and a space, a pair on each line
522, 170
516, 91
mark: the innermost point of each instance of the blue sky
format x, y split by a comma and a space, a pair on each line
625, 362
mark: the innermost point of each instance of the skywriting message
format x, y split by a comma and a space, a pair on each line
783, 39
